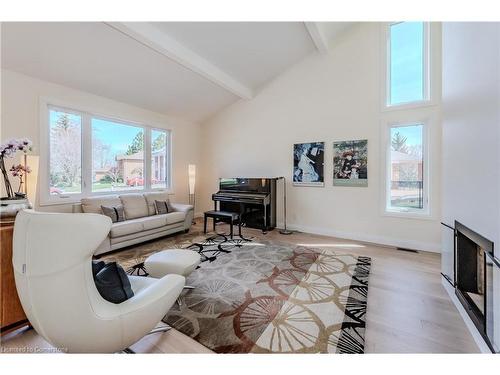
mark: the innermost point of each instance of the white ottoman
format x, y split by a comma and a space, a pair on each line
172, 261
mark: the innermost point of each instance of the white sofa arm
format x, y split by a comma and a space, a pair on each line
189, 210
182, 207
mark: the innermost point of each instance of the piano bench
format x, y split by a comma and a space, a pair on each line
230, 217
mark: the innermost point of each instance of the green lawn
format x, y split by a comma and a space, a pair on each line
96, 186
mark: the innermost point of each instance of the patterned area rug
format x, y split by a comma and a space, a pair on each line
268, 297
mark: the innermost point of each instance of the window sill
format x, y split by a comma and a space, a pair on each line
408, 106
54, 201
424, 215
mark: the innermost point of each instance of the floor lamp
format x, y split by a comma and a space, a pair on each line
284, 230
192, 182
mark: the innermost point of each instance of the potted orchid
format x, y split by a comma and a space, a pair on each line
8, 150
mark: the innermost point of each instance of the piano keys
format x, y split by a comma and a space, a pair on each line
253, 198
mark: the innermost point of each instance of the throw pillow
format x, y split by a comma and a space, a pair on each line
163, 207
115, 213
112, 282
97, 265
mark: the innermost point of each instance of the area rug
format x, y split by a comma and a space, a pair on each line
268, 297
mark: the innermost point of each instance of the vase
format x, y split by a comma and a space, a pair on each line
9, 207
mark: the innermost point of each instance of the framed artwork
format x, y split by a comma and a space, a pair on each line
350, 163
308, 164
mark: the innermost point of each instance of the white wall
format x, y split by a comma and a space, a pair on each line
471, 130
323, 98
471, 138
20, 118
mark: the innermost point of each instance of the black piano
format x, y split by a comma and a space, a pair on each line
253, 198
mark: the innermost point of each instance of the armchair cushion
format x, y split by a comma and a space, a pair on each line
112, 282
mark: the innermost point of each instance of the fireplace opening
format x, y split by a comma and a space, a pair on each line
475, 268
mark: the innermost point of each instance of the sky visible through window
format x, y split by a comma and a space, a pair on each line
407, 64
117, 135
412, 133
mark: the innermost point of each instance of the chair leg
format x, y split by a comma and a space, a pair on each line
159, 330
162, 329
205, 225
179, 299
231, 229
214, 221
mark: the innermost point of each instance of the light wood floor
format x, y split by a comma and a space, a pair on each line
408, 309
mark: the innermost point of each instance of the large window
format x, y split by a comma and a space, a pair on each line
407, 63
65, 152
87, 154
406, 185
117, 156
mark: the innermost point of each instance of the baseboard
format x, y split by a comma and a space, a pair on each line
380, 240
483, 347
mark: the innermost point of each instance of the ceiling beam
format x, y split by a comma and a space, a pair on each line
154, 38
318, 37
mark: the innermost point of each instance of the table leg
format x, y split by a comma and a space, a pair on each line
264, 230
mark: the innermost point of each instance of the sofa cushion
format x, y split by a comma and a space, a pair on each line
155, 196
123, 228
175, 217
135, 205
152, 222
93, 204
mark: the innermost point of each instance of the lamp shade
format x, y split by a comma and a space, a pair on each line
192, 177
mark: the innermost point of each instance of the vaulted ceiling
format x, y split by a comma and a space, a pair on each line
189, 70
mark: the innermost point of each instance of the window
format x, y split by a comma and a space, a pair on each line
65, 152
87, 154
117, 156
158, 158
407, 63
406, 170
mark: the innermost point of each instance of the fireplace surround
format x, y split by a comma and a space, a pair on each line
477, 281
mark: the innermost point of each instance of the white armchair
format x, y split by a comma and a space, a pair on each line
52, 257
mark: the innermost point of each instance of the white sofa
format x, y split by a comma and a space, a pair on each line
141, 221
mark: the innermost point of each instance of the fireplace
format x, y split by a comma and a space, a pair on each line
477, 278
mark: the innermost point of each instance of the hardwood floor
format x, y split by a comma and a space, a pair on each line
408, 310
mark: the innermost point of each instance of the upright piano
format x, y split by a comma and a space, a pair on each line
253, 198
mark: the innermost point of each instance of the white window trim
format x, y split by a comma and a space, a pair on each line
430, 60
46, 199
426, 212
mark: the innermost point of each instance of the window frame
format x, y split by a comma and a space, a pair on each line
386, 209
429, 61
87, 114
